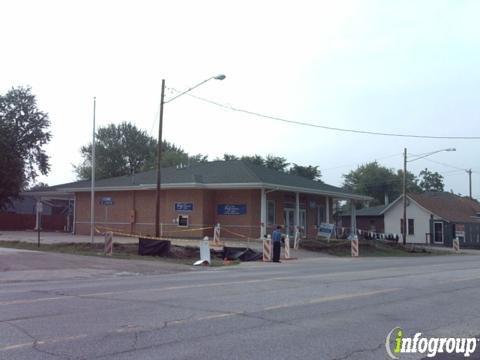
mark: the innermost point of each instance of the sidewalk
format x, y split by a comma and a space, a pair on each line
449, 250
60, 237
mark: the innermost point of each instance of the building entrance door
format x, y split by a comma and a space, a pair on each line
438, 232
289, 221
289, 217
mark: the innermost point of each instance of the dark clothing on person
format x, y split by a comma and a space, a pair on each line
276, 251
276, 242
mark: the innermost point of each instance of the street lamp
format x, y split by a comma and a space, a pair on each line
404, 227
159, 145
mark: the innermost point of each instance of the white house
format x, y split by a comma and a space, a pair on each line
418, 224
435, 218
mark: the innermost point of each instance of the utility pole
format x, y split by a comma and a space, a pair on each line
92, 197
469, 172
404, 228
159, 155
159, 145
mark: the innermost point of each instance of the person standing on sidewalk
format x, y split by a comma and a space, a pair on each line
276, 242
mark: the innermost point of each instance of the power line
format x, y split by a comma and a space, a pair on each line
342, 166
294, 122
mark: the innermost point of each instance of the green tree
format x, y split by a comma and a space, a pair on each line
38, 186
228, 157
124, 149
23, 134
276, 163
255, 159
431, 181
377, 181
309, 172
412, 182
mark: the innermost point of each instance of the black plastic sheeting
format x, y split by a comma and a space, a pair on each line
153, 247
242, 254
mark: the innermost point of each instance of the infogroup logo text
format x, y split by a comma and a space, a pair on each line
397, 343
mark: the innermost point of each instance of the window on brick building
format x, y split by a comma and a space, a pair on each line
270, 212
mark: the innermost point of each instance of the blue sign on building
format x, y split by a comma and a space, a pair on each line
183, 206
231, 209
106, 200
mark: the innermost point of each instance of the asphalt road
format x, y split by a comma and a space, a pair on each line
323, 308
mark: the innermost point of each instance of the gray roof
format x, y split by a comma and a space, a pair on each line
368, 211
218, 174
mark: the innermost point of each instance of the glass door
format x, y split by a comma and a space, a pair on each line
303, 220
289, 218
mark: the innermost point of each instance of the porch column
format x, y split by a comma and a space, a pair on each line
263, 214
74, 214
327, 209
297, 210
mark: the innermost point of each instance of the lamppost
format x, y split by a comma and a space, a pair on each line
159, 145
404, 227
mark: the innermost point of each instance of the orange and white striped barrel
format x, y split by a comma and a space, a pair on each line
216, 235
108, 243
355, 247
267, 249
456, 245
287, 247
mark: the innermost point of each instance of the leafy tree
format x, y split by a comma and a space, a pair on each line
197, 159
255, 159
431, 181
38, 186
412, 182
229, 157
309, 172
23, 133
276, 163
124, 150
377, 181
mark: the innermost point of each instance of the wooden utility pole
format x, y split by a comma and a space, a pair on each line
469, 172
159, 157
404, 227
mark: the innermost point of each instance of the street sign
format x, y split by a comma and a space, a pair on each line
39, 206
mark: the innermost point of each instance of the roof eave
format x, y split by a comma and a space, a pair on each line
223, 186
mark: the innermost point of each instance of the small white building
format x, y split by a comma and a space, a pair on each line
435, 218
418, 224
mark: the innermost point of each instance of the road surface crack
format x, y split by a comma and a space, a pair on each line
356, 352
35, 341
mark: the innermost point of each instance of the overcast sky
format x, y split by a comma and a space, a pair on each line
388, 66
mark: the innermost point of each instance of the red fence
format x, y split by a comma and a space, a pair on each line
27, 222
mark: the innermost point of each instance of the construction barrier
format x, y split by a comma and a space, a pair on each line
287, 247
355, 247
296, 240
456, 245
108, 243
267, 249
216, 235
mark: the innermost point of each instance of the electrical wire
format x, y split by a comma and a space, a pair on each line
294, 122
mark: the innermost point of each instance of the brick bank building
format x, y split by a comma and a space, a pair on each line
247, 200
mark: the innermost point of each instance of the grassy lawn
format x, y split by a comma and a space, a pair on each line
367, 248
177, 255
